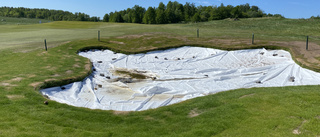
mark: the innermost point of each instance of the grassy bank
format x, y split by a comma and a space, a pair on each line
24, 67
269, 29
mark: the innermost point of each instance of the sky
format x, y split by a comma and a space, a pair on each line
288, 8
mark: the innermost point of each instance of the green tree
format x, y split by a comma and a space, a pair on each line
138, 13
127, 17
160, 14
189, 11
115, 17
236, 12
204, 12
170, 13
150, 16
106, 18
179, 12
196, 18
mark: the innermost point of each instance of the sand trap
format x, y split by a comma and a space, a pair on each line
145, 81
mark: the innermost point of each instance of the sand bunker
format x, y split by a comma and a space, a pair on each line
144, 81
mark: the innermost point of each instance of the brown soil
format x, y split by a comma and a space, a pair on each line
5, 84
121, 112
247, 95
87, 66
148, 118
35, 84
15, 97
297, 130
69, 71
50, 68
194, 113
76, 65
299, 52
18, 79
32, 76
134, 36
56, 75
117, 42
52, 79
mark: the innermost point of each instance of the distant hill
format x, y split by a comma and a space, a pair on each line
53, 15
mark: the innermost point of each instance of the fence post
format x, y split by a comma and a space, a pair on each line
45, 44
197, 33
98, 35
307, 44
252, 38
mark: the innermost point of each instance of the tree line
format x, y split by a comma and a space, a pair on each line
54, 15
174, 12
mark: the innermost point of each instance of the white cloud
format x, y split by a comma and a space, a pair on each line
204, 3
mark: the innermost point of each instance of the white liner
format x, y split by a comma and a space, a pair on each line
181, 74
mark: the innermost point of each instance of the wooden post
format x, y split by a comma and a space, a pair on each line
45, 44
98, 35
307, 43
252, 38
197, 33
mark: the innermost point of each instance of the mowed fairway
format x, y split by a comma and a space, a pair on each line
25, 66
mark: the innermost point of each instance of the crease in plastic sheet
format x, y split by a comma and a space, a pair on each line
177, 75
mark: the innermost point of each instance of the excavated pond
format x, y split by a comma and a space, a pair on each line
145, 81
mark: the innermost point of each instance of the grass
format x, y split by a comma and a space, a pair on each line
20, 21
278, 111
271, 29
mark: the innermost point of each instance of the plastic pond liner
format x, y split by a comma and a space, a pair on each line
160, 78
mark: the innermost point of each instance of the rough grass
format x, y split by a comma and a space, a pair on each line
20, 21
271, 29
282, 111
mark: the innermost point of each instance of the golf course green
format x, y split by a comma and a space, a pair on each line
26, 67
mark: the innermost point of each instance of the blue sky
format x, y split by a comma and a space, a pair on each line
287, 8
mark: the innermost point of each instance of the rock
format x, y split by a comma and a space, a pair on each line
46, 102
100, 86
291, 79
